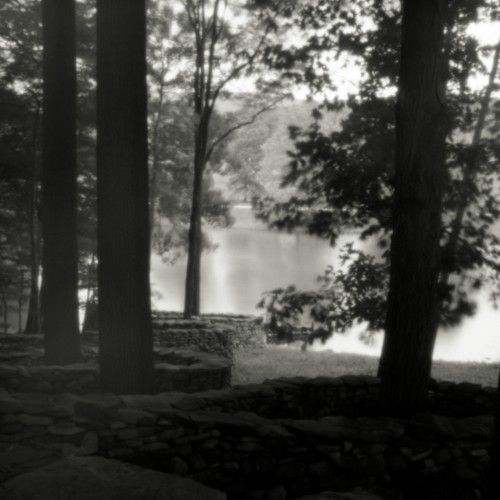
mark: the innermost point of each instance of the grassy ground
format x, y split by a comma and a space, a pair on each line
278, 361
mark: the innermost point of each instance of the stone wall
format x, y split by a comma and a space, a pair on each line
228, 439
175, 370
217, 334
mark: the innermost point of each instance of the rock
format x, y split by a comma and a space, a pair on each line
18, 458
9, 405
101, 407
179, 467
35, 419
343, 429
144, 401
90, 444
331, 495
447, 427
58, 430
43, 404
277, 493
136, 417
181, 401
95, 478
7, 370
274, 431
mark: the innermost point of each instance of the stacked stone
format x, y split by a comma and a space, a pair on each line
220, 335
13, 342
176, 369
462, 398
78, 378
220, 439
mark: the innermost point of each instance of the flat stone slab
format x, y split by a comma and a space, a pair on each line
84, 478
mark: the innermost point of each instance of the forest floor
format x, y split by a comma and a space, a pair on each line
255, 366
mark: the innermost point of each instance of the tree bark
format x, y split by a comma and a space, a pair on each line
123, 250
33, 316
193, 273
154, 147
59, 254
421, 124
493, 491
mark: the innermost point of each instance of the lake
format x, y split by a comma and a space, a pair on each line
251, 259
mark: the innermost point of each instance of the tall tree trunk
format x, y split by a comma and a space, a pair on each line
123, 248
154, 147
33, 317
90, 318
493, 491
59, 255
193, 273
5, 311
413, 307
20, 301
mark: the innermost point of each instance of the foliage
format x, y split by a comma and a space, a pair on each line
174, 184
243, 155
355, 293
20, 101
344, 179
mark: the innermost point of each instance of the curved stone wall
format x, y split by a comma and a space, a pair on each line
228, 440
181, 370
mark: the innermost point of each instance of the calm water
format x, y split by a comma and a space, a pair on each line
250, 259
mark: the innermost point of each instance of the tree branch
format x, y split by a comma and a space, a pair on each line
228, 132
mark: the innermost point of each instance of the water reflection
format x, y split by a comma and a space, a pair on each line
250, 259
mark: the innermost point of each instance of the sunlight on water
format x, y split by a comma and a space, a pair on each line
476, 339
250, 259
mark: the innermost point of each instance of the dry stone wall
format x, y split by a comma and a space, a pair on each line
216, 334
181, 370
279, 440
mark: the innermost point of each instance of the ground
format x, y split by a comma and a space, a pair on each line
254, 366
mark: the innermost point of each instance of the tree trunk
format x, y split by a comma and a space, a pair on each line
469, 171
5, 311
59, 255
125, 331
20, 302
154, 152
413, 306
193, 274
493, 491
33, 316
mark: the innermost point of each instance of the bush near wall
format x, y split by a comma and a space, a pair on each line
278, 440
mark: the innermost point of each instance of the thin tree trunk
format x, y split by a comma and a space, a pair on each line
33, 317
493, 491
154, 152
469, 171
20, 302
413, 307
59, 255
90, 302
193, 273
5, 309
123, 249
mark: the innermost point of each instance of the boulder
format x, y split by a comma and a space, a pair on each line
85, 478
